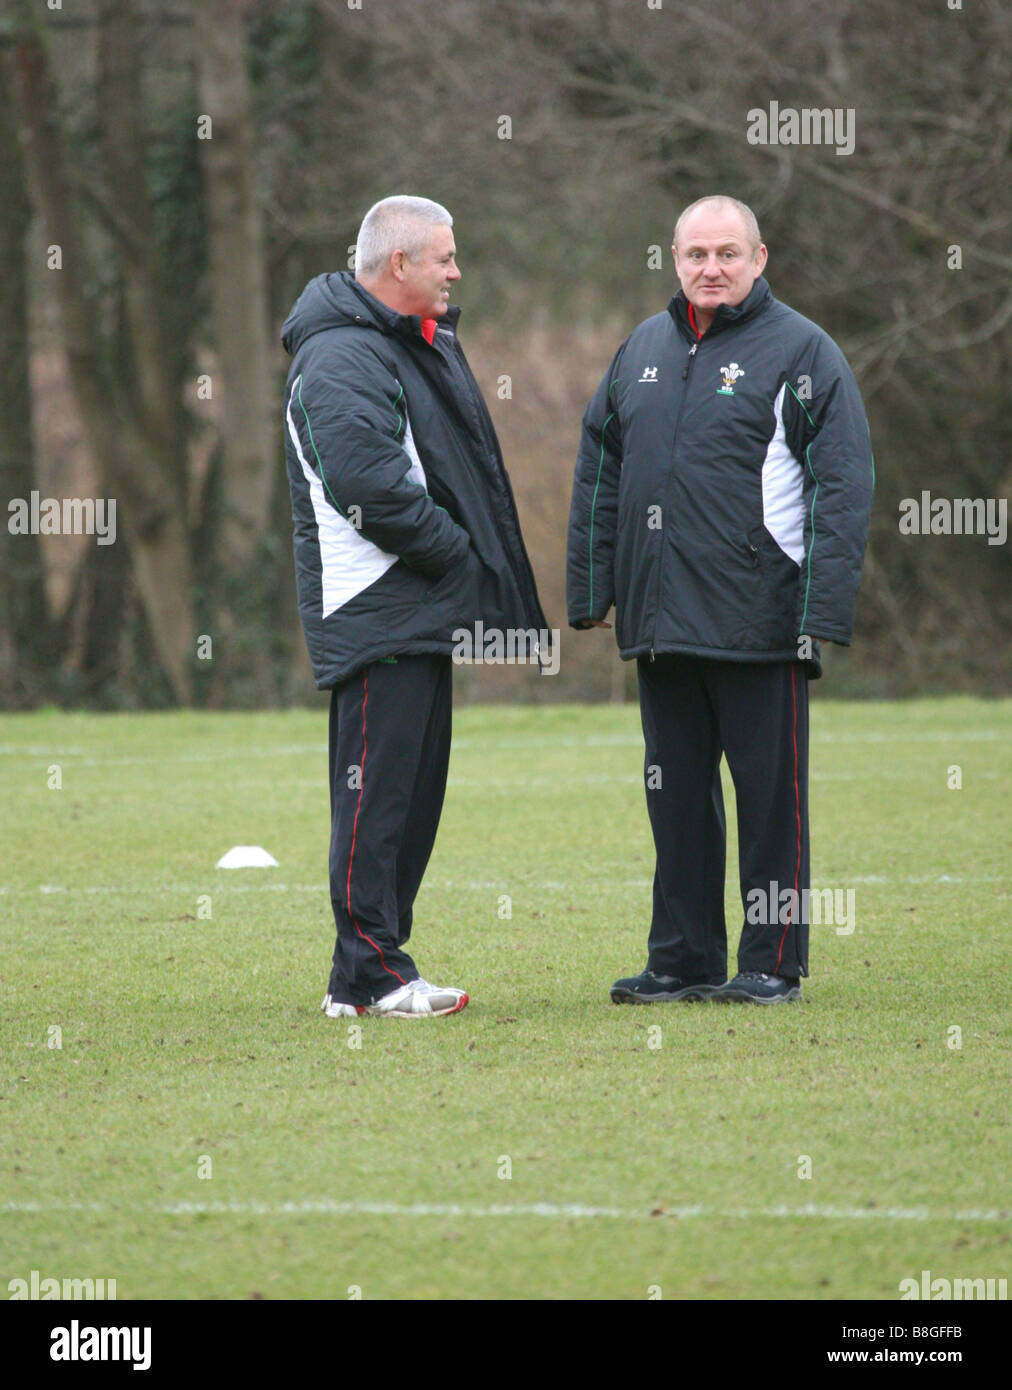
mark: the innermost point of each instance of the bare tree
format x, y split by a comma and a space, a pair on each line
239, 325
26, 632
122, 413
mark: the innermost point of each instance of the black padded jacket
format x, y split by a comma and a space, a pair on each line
723, 488
406, 528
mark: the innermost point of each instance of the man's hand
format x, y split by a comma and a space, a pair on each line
593, 622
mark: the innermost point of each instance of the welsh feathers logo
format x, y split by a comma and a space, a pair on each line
730, 375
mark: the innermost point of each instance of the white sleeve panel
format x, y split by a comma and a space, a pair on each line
349, 562
783, 478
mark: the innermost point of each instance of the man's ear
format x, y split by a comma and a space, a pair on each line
397, 265
761, 257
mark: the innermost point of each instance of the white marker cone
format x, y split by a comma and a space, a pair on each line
247, 857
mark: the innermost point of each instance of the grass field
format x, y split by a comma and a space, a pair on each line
649, 1149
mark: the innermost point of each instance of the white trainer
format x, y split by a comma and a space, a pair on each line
333, 1009
418, 999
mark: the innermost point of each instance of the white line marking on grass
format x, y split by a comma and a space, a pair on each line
556, 781
86, 759
34, 750
546, 1210
520, 783
928, 736
923, 878
481, 743
567, 885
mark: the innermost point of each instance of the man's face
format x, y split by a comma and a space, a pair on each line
714, 260
427, 279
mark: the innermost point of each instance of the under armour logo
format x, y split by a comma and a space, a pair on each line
649, 374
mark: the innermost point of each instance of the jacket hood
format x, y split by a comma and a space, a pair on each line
337, 300
328, 301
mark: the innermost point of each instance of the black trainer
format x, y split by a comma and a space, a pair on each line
755, 987
649, 988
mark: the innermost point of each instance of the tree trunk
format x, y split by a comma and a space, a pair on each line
248, 410
134, 468
25, 626
156, 391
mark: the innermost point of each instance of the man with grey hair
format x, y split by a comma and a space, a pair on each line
406, 530
401, 221
721, 501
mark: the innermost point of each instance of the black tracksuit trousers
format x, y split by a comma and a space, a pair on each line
756, 714
389, 751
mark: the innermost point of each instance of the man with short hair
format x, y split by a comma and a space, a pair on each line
721, 501
406, 530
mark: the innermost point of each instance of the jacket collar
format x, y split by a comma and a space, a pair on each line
727, 315
403, 325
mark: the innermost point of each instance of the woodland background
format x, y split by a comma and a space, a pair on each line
180, 257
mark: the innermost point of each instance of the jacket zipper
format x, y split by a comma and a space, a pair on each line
488, 438
660, 565
482, 428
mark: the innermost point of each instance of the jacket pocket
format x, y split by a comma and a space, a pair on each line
776, 589
455, 597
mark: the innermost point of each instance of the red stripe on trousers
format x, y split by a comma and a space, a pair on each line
354, 836
797, 810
